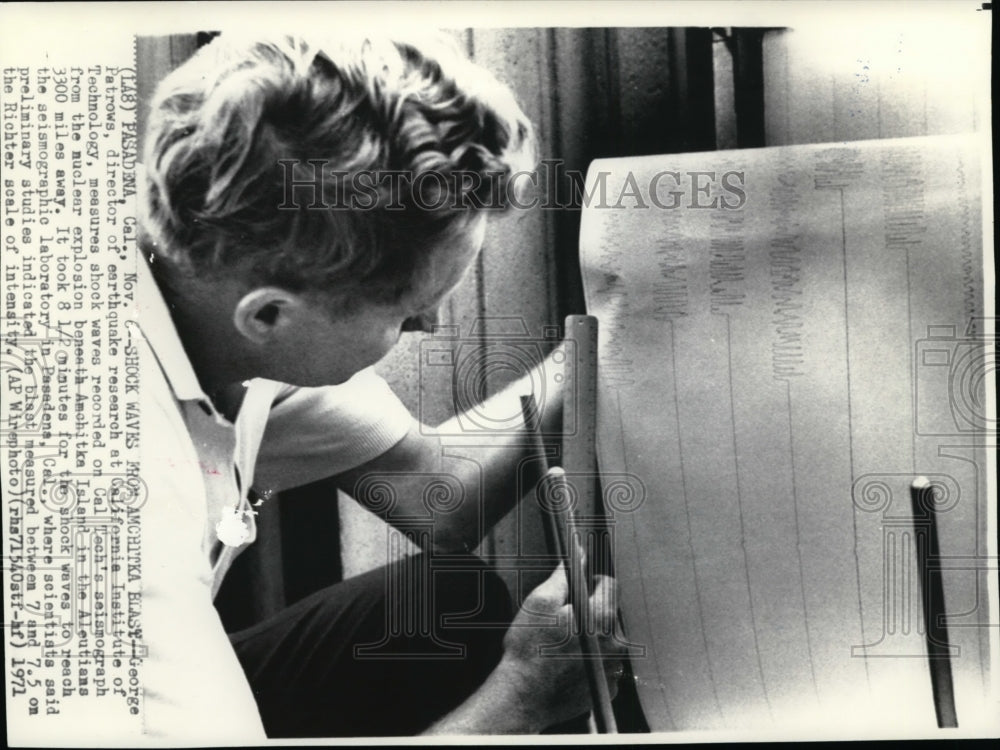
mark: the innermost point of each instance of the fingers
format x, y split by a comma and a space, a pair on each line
601, 580
551, 598
545, 618
604, 614
550, 595
604, 605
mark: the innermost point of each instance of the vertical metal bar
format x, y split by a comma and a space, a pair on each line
574, 559
748, 73
564, 542
932, 589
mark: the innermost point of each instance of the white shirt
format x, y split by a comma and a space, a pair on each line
197, 465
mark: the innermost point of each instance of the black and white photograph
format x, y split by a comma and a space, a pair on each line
432, 372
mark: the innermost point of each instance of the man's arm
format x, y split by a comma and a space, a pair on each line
527, 691
484, 464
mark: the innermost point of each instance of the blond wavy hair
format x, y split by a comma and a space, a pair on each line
225, 126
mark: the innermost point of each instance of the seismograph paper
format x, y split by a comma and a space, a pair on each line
788, 337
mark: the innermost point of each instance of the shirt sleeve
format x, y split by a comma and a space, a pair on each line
313, 433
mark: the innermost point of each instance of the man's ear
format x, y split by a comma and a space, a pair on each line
267, 312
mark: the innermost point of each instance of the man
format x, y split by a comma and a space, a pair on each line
277, 267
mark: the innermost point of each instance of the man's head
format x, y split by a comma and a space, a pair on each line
341, 176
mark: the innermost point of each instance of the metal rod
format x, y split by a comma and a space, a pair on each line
575, 561
566, 544
932, 588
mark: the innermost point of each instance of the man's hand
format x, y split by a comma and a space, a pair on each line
540, 645
538, 682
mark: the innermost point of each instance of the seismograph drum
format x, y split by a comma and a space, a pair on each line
788, 337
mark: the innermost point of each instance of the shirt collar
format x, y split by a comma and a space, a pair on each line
160, 333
